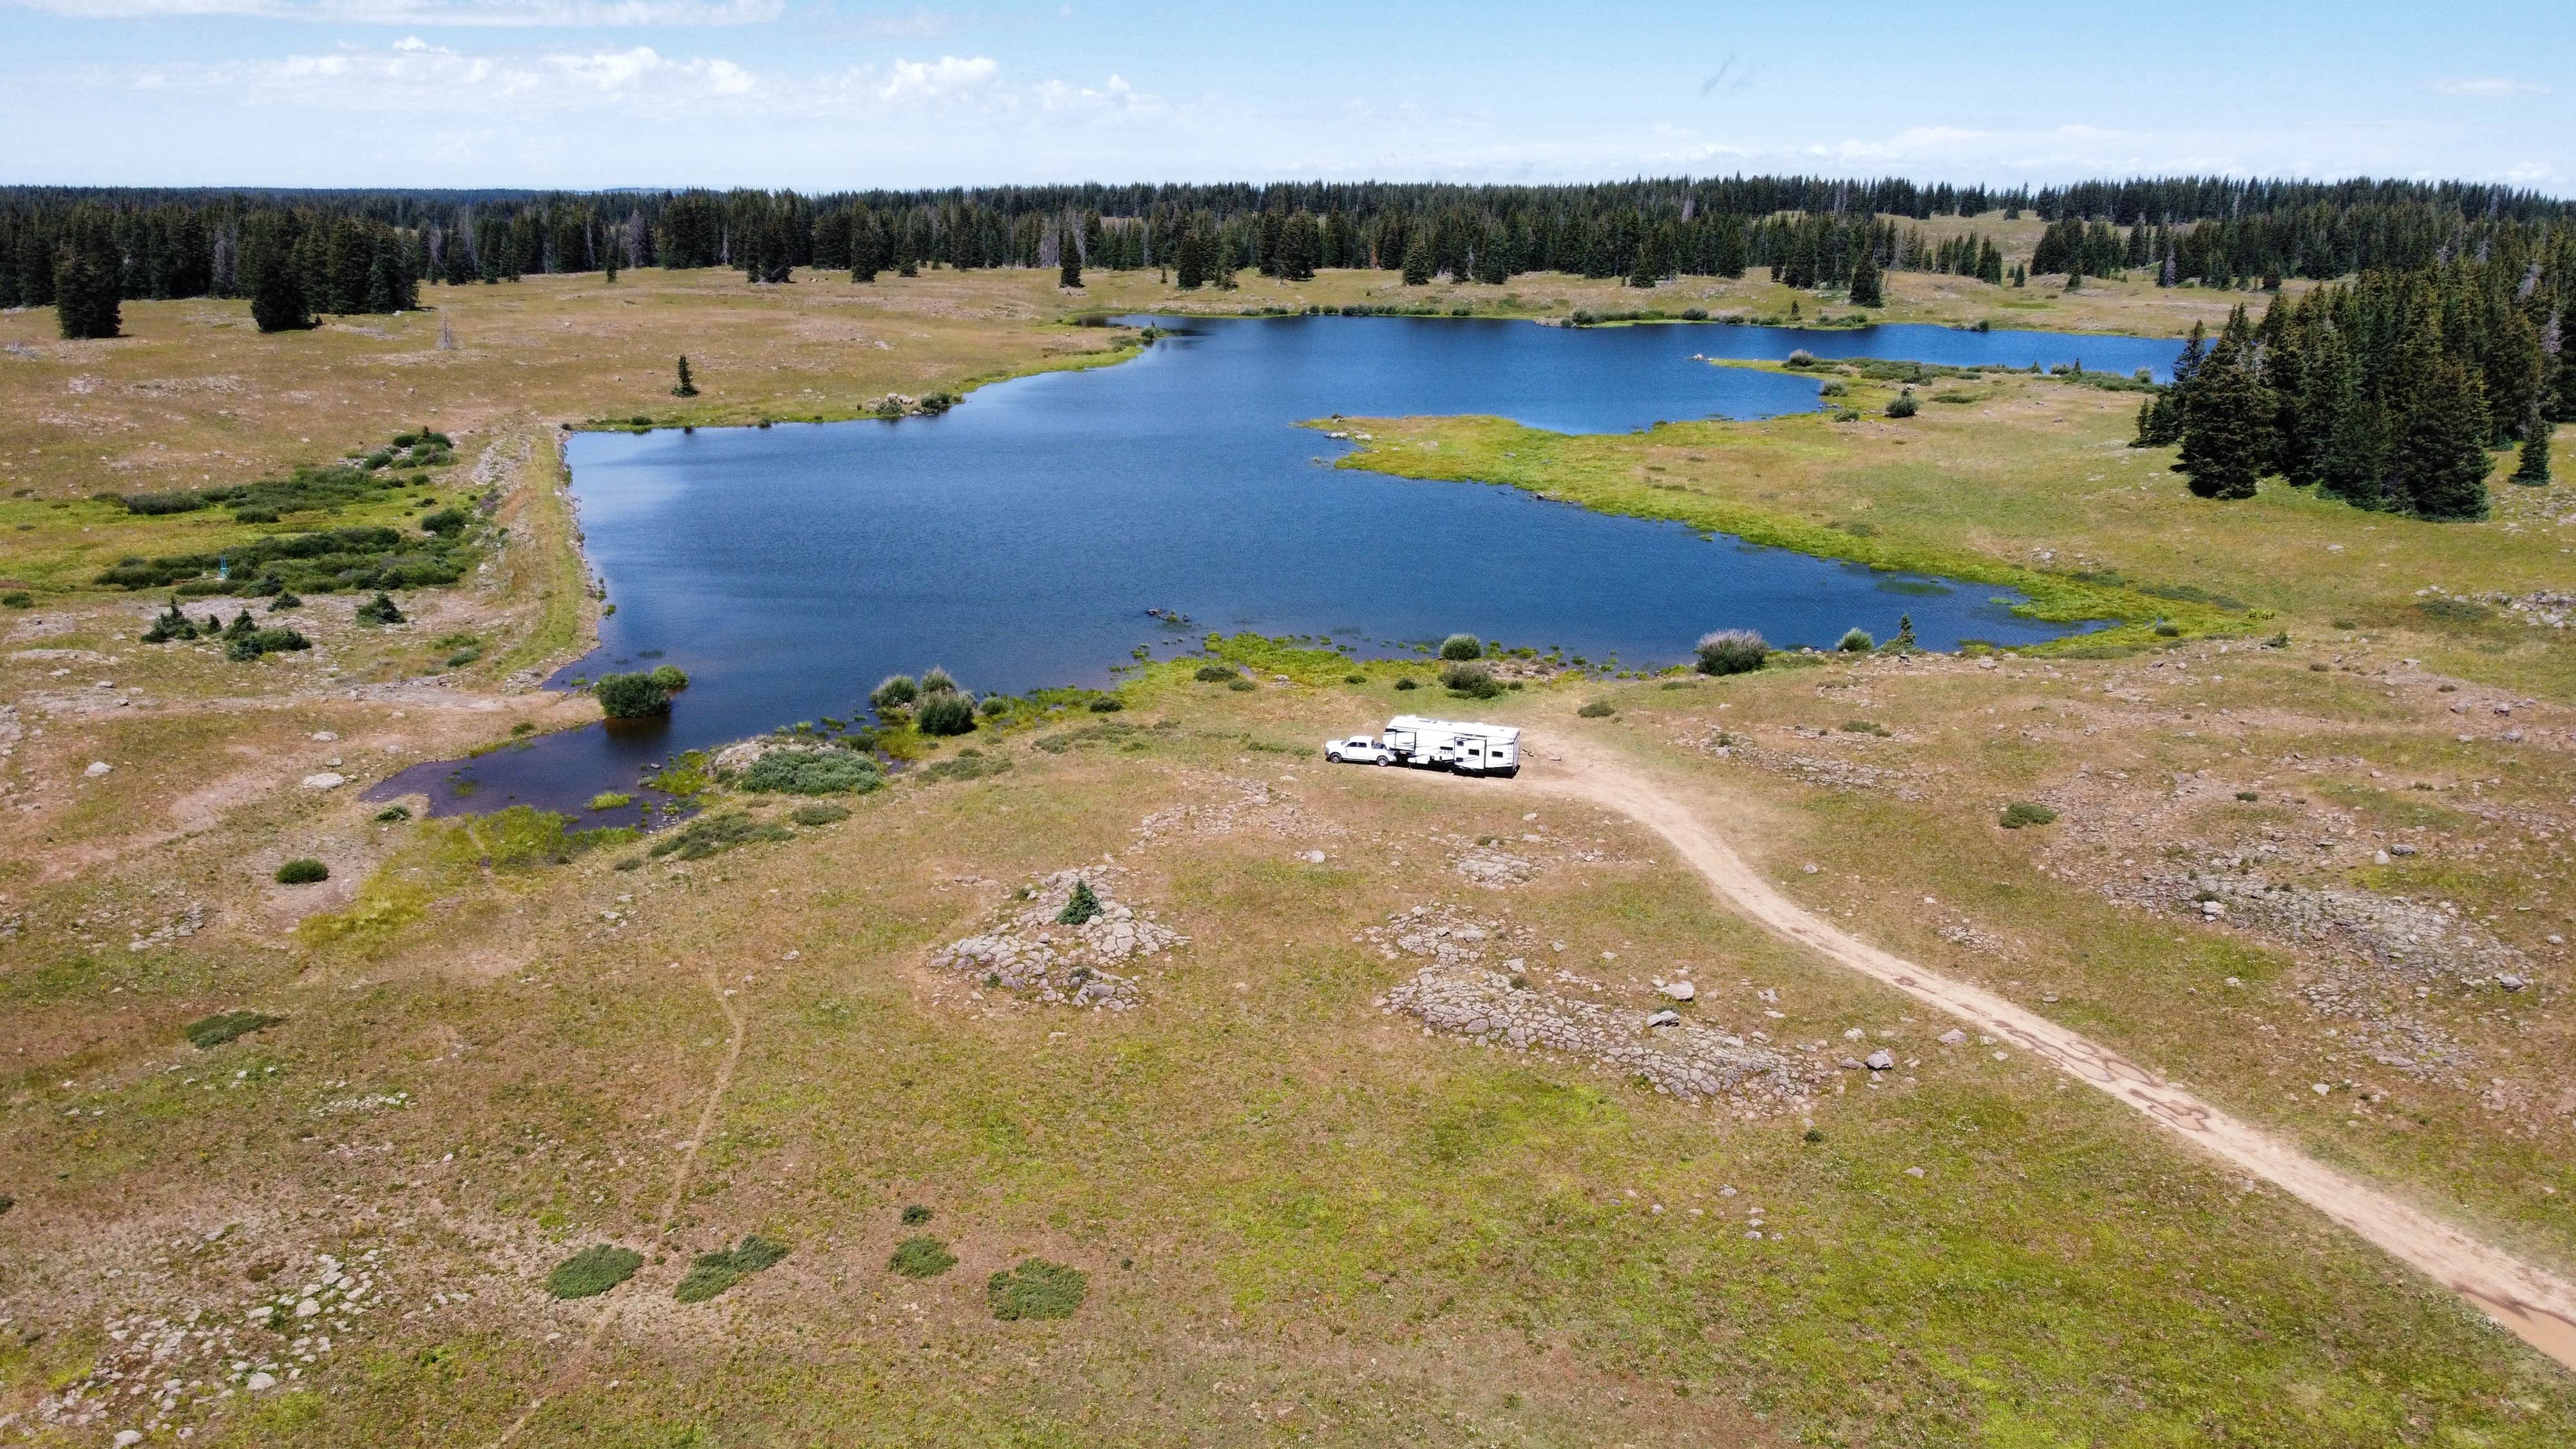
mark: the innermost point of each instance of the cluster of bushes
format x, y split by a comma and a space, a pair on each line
321, 562
1473, 680
640, 695
714, 834
242, 639
937, 705
327, 488
814, 772
1732, 651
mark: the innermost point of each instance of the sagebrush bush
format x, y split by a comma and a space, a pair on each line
593, 1271
1408, 684
1801, 357
1462, 646
946, 712
1903, 405
631, 696
1597, 709
820, 814
713, 834
303, 870
1217, 673
1732, 651
1107, 704
1474, 680
936, 680
1856, 641
813, 772
894, 692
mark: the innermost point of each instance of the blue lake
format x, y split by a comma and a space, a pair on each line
1020, 539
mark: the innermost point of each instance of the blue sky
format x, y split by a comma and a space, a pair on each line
824, 94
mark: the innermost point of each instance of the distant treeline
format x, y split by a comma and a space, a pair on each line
2386, 391
359, 251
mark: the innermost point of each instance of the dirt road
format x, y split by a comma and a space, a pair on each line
2536, 1304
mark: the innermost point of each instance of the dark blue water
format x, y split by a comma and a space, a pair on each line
1019, 539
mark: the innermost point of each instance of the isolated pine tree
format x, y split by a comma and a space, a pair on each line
277, 294
85, 302
608, 261
2534, 469
1866, 289
1069, 264
686, 388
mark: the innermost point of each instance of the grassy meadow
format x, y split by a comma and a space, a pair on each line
1296, 1216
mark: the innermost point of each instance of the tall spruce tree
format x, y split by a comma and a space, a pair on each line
85, 301
1068, 272
1866, 290
2441, 446
2533, 470
277, 293
1417, 260
2227, 419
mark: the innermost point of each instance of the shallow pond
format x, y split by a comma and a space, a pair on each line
1020, 539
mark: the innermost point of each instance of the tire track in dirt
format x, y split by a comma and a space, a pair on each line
573, 1368
2536, 1304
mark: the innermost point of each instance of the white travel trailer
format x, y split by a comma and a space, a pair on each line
1468, 748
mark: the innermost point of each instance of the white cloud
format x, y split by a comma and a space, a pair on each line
909, 80
2488, 86
492, 13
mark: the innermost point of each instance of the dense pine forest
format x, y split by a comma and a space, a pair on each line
2386, 391
301, 253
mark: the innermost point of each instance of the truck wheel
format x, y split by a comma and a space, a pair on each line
1385, 760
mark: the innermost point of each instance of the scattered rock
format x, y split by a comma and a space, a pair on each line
326, 780
1953, 1037
97, 768
1880, 1061
1665, 1018
1027, 949
1679, 990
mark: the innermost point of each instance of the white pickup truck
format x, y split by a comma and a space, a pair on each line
1358, 750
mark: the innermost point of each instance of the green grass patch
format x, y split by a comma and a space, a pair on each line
593, 1271
1037, 1289
713, 835
209, 1032
922, 1257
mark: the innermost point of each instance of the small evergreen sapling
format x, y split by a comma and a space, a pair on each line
686, 388
1080, 907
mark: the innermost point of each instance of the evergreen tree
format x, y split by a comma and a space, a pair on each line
277, 293
384, 292
608, 261
2534, 468
85, 303
1189, 266
2227, 419
1069, 264
2441, 450
2355, 462
1865, 287
687, 387
1417, 260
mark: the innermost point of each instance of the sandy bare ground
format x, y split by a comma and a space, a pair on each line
2534, 1303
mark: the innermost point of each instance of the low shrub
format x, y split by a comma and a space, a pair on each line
1473, 680
393, 814
252, 643
893, 692
1107, 704
1217, 673
1801, 357
1243, 686
446, 522
946, 713
1856, 641
813, 772
17, 599
1408, 684
2168, 631
671, 677
1354, 679
1835, 388
1903, 405
922, 1257
820, 814
209, 1032
936, 680
993, 704
379, 610
593, 1271
714, 834
712, 1273
611, 800
1597, 709
1037, 1289
2248, 796
1732, 651
915, 1214
2023, 812
463, 657
631, 696
1462, 646
303, 870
